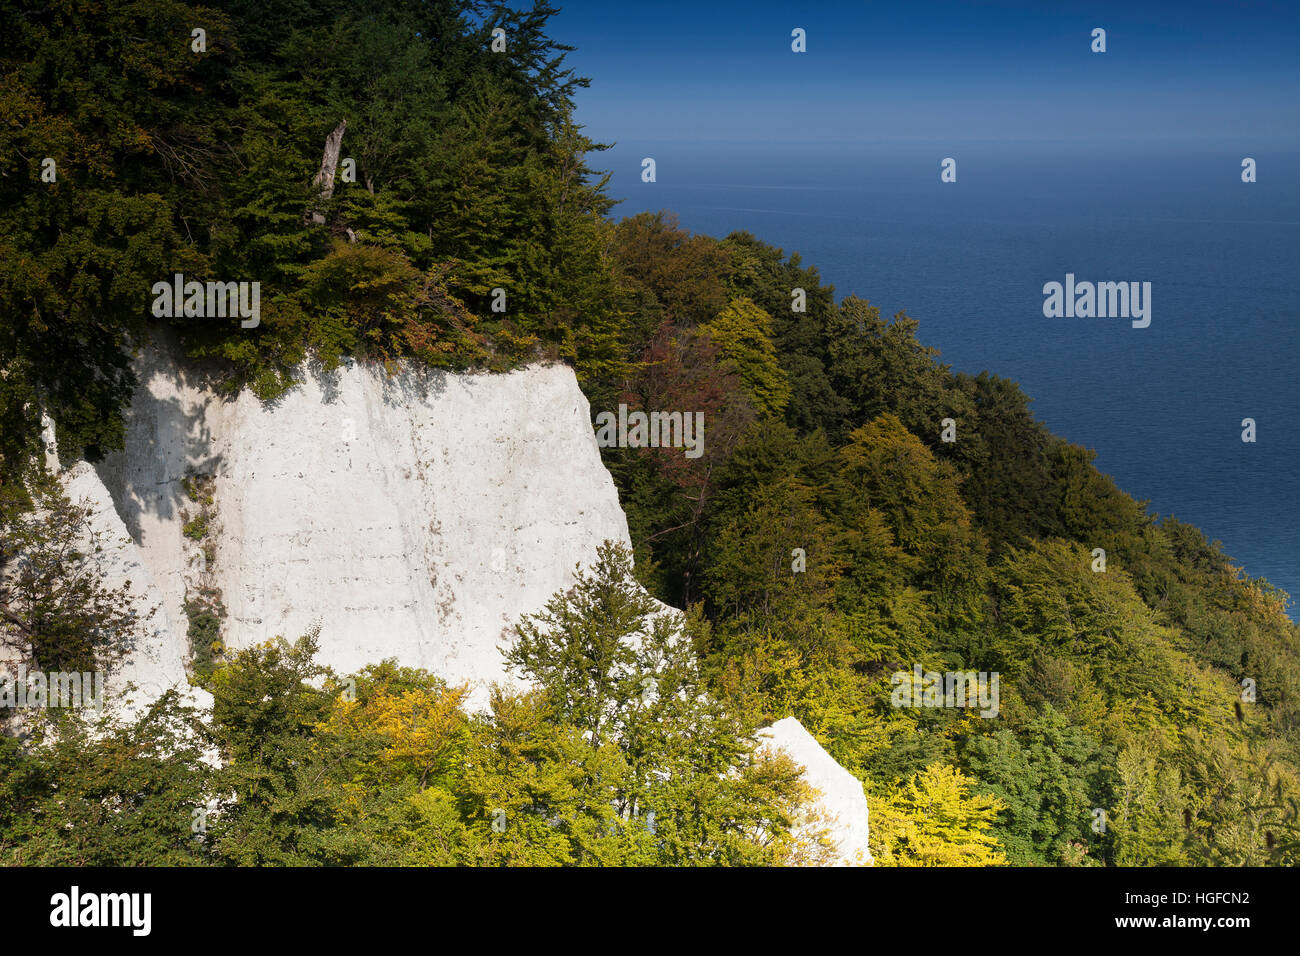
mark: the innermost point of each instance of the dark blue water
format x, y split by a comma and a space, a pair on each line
1162, 406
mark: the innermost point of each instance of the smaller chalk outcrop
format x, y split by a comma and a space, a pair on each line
840, 810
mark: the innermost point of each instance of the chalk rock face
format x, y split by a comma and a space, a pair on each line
842, 806
413, 516
156, 663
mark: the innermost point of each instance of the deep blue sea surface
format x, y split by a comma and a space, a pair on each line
1161, 406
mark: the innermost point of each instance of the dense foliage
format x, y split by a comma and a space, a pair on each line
858, 509
467, 175
617, 758
833, 538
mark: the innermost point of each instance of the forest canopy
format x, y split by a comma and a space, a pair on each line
829, 536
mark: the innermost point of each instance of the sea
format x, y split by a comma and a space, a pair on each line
1162, 406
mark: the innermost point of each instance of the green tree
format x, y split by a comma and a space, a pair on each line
743, 333
1048, 780
57, 608
887, 469
95, 791
622, 673
265, 715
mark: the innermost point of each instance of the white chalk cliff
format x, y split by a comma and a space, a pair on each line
413, 515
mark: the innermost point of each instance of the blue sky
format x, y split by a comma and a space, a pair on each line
937, 72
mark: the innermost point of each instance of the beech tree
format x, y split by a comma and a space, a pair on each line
624, 674
743, 333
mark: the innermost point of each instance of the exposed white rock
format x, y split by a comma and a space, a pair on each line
841, 808
413, 516
156, 662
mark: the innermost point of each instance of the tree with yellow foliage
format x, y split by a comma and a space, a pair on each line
934, 820
412, 722
743, 332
